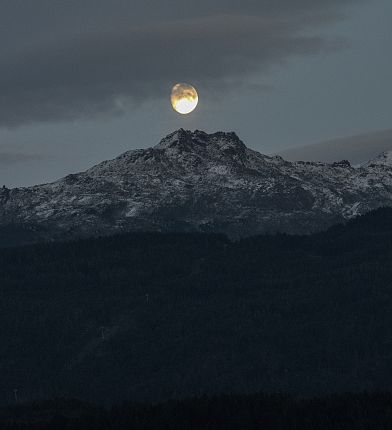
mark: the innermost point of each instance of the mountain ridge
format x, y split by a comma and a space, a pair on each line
195, 181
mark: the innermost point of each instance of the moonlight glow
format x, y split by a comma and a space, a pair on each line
184, 98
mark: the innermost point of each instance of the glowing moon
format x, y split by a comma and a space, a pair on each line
184, 98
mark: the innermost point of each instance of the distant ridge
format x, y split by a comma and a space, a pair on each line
357, 149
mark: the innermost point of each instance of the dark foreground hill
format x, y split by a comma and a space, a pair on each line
156, 316
228, 412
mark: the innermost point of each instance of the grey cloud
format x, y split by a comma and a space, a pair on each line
88, 58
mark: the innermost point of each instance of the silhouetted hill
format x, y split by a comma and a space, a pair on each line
152, 316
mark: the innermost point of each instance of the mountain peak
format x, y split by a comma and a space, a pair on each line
187, 139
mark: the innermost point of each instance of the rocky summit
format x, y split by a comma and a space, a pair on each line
194, 181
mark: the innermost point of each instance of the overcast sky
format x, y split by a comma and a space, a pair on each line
84, 80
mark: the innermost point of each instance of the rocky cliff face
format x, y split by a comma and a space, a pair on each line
197, 181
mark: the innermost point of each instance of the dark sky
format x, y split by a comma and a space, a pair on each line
82, 81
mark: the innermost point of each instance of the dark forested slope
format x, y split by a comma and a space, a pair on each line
226, 412
154, 316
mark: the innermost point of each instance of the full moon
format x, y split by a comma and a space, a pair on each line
184, 98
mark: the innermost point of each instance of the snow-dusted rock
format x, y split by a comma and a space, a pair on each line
205, 182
